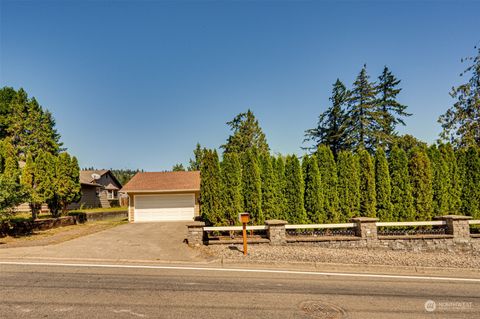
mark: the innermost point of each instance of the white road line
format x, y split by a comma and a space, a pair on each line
268, 271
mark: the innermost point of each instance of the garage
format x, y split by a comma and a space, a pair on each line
166, 207
163, 196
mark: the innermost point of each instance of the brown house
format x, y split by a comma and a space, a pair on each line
99, 189
163, 196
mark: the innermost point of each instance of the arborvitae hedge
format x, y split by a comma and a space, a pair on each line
328, 176
294, 191
440, 181
231, 187
279, 172
368, 194
454, 184
252, 187
313, 191
268, 187
348, 186
211, 189
471, 183
402, 199
383, 187
421, 181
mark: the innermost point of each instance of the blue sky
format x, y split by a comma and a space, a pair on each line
135, 84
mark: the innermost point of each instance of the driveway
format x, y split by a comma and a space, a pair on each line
139, 242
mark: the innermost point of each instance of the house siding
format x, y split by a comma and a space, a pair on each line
89, 199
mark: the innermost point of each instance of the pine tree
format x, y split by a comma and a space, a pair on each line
232, 187
391, 111
268, 187
197, 159
454, 184
331, 127
313, 196
328, 177
252, 187
402, 199
383, 187
279, 173
421, 181
348, 185
294, 191
461, 123
363, 116
471, 183
368, 196
440, 181
247, 134
210, 188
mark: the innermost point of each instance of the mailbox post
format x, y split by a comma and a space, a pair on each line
244, 218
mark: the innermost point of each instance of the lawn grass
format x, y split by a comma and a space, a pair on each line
99, 210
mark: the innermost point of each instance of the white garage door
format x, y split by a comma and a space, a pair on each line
166, 207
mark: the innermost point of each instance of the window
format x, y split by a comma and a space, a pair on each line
112, 194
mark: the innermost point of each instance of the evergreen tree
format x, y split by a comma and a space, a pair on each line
7, 95
178, 168
45, 164
11, 192
348, 185
232, 187
279, 173
440, 181
409, 142
247, 134
210, 188
294, 191
461, 123
454, 184
363, 116
331, 127
268, 187
471, 183
197, 159
368, 196
67, 182
383, 187
252, 187
391, 111
421, 181
328, 177
313, 196
402, 199
30, 185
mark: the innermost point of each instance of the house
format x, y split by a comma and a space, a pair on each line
163, 196
99, 189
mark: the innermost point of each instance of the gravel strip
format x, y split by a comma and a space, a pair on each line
266, 253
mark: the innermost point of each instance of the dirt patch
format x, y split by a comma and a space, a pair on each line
58, 235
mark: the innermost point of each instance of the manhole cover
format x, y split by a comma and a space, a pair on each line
322, 310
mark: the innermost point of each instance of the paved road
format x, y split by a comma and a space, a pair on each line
43, 291
136, 241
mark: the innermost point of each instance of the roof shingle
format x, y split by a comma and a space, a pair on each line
163, 181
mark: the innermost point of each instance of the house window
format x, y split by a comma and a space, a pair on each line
112, 194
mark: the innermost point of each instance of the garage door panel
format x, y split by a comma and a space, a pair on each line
168, 207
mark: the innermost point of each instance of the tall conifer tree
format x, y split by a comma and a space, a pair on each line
421, 181
211, 188
279, 172
294, 191
313, 196
383, 187
368, 196
454, 183
268, 187
328, 177
440, 181
471, 182
348, 185
231, 187
402, 199
247, 134
252, 187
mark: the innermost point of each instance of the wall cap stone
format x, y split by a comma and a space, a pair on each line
453, 217
364, 219
196, 224
275, 222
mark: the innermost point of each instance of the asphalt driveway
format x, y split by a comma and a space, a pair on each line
139, 242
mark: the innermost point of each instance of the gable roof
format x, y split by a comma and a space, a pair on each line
87, 179
163, 182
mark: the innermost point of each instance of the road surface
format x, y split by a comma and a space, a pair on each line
74, 291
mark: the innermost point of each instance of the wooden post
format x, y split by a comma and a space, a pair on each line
244, 218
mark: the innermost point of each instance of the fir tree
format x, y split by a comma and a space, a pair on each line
313, 196
402, 199
268, 187
178, 167
421, 181
461, 123
368, 196
383, 187
196, 161
210, 188
232, 187
348, 185
471, 183
252, 187
247, 134
391, 111
331, 127
328, 177
440, 181
294, 191
363, 116
454, 184
279, 173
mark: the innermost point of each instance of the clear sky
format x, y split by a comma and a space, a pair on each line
135, 84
